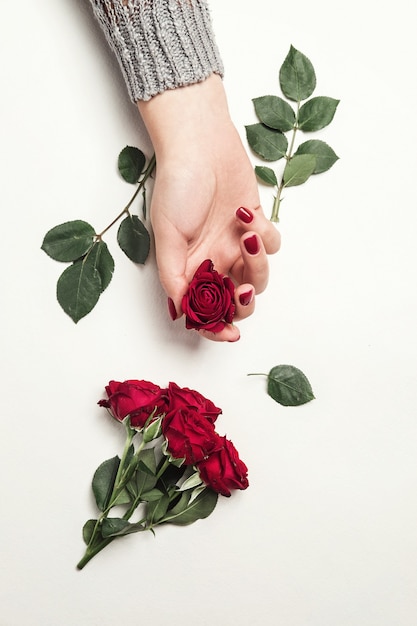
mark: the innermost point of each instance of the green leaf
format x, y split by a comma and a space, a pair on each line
131, 162
79, 288
101, 259
298, 169
133, 238
103, 481
269, 144
185, 513
147, 461
88, 530
274, 112
192, 481
325, 155
266, 175
296, 76
288, 386
156, 509
152, 495
317, 113
117, 527
69, 241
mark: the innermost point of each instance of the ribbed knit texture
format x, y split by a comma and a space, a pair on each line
160, 44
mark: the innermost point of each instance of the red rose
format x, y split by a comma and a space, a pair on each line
208, 302
189, 435
223, 470
184, 397
137, 398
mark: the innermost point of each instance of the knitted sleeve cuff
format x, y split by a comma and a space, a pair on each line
160, 44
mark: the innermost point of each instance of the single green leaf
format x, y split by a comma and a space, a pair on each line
134, 239
103, 481
266, 175
317, 113
79, 288
288, 386
130, 163
185, 512
296, 76
325, 155
88, 530
298, 169
69, 241
269, 144
275, 113
152, 495
124, 497
147, 461
156, 509
101, 259
117, 527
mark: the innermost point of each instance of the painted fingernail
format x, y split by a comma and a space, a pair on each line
246, 298
172, 310
251, 244
244, 214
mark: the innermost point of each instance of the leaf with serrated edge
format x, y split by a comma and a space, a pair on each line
317, 113
130, 163
298, 169
325, 155
288, 386
269, 144
296, 76
69, 241
274, 112
266, 175
103, 481
134, 239
79, 288
200, 508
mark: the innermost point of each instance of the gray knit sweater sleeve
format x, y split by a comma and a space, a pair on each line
160, 44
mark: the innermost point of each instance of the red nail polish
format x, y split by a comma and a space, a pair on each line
244, 214
251, 244
246, 298
172, 310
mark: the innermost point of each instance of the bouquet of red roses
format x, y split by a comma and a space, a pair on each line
173, 466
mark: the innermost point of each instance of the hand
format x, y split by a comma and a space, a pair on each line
205, 202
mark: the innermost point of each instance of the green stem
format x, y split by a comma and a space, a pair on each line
288, 155
147, 173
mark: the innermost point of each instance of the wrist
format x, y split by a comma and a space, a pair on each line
186, 116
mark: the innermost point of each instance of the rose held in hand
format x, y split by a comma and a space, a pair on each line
208, 303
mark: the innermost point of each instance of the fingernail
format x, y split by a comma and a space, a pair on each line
244, 214
246, 298
172, 310
251, 244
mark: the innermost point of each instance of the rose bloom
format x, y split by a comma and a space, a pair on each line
184, 397
189, 435
137, 398
223, 470
208, 303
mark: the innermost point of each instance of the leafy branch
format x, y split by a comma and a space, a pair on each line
80, 285
276, 117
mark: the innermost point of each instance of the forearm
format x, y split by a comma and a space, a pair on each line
160, 44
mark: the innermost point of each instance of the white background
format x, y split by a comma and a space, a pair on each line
326, 533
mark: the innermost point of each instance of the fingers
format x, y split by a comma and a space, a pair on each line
255, 220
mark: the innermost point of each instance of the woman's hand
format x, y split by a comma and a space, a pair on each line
205, 202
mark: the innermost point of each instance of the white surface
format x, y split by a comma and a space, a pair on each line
326, 533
